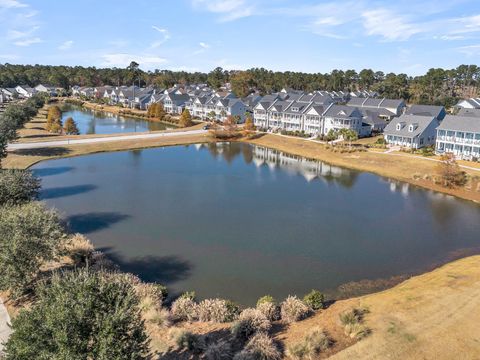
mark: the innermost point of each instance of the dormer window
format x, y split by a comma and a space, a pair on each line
412, 127
295, 109
400, 126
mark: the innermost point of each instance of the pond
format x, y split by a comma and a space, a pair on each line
239, 221
97, 122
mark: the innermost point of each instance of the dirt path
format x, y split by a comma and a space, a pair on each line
5, 330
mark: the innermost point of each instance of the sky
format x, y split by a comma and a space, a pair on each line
401, 36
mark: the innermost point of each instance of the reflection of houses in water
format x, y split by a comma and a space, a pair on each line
395, 186
308, 168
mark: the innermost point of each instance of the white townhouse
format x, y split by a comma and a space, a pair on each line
313, 122
338, 117
292, 116
411, 131
459, 135
275, 113
174, 103
25, 91
226, 107
50, 90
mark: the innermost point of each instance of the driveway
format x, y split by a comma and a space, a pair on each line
35, 145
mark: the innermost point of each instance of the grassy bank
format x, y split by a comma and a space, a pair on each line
413, 169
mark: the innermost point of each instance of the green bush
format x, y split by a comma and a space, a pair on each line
266, 299
268, 307
17, 187
81, 315
315, 299
30, 235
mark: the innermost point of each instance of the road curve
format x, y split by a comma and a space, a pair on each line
43, 144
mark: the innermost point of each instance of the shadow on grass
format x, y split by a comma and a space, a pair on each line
59, 192
94, 221
39, 135
46, 151
165, 270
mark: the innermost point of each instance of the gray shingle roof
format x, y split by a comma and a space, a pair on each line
427, 110
469, 112
460, 123
343, 111
421, 123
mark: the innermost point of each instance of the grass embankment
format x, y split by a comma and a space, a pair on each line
413, 169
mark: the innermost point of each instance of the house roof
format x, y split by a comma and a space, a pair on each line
474, 102
343, 111
301, 106
427, 110
376, 103
372, 117
469, 112
420, 122
460, 123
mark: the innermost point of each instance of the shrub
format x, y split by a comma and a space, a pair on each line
220, 350
80, 315
70, 127
187, 340
30, 235
189, 295
249, 323
262, 347
293, 309
450, 173
18, 187
315, 299
216, 310
185, 309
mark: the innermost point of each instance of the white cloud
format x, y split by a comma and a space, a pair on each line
164, 39
28, 41
66, 45
204, 45
470, 50
8, 4
228, 10
9, 57
389, 25
124, 59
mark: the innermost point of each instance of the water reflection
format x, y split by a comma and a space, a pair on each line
310, 169
98, 122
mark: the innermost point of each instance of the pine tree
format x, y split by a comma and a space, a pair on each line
54, 117
70, 127
249, 124
186, 119
159, 111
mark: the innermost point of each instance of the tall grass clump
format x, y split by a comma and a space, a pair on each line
217, 310
353, 323
249, 323
316, 342
269, 308
260, 346
293, 309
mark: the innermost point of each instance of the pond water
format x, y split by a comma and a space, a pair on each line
97, 122
239, 221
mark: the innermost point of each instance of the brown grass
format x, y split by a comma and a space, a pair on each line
402, 168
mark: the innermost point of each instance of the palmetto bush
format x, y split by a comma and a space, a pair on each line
293, 309
249, 323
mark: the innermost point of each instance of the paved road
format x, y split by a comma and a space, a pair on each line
5, 330
35, 145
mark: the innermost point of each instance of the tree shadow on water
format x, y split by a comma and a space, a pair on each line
59, 192
165, 270
46, 151
94, 221
52, 171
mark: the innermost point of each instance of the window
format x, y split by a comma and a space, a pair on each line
410, 128
399, 127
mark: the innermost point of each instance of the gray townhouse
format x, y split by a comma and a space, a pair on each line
459, 135
386, 108
411, 131
338, 117
469, 112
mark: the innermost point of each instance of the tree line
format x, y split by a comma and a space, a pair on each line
437, 86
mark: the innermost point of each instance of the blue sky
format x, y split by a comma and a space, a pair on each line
407, 36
